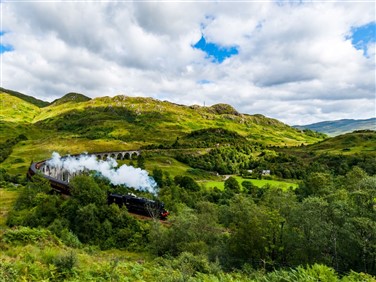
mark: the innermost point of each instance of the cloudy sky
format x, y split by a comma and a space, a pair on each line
298, 62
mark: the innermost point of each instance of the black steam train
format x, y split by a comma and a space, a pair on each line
133, 203
139, 205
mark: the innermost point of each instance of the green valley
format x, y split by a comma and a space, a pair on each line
249, 197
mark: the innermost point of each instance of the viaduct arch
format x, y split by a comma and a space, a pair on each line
65, 176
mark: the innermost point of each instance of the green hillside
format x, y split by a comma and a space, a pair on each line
26, 98
349, 143
76, 123
14, 109
148, 120
71, 97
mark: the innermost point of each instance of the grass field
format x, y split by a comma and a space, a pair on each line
257, 182
32, 150
173, 168
7, 199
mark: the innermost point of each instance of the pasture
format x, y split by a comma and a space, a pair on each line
284, 185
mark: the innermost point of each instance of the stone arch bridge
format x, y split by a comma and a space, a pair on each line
118, 155
64, 176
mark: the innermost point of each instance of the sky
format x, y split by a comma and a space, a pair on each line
297, 61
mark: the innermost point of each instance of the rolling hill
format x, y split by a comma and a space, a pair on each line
353, 142
338, 127
26, 98
76, 123
71, 97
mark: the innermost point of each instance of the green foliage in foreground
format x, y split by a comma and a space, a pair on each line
328, 220
29, 254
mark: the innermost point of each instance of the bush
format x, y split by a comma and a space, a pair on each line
319, 272
8, 271
70, 239
65, 263
187, 183
189, 264
355, 277
26, 235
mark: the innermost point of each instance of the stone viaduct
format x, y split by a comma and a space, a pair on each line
118, 155
64, 175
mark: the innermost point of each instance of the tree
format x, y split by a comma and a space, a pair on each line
158, 176
187, 183
28, 195
308, 232
232, 185
86, 191
141, 161
353, 177
247, 241
87, 225
316, 184
248, 187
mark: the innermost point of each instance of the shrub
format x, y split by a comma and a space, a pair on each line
26, 235
70, 239
7, 271
355, 277
320, 272
188, 264
65, 263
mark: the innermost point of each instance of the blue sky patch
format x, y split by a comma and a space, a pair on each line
204, 81
3, 47
363, 35
216, 52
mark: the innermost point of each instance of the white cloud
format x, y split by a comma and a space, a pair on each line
294, 61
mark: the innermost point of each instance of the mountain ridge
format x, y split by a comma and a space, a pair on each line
143, 119
123, 122
70, 97
30, 99
341, 126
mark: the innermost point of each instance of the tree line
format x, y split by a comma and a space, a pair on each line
282, 163
329, 220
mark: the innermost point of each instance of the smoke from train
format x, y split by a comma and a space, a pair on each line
127, 175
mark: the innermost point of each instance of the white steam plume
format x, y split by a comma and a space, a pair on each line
128, 175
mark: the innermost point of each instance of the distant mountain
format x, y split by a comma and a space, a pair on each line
29, 99
338, 127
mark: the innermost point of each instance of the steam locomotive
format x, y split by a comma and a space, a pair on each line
133, 203
139, 205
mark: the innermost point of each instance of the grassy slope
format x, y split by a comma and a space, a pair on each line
156, 121
7, 199
29, 99
14, 109
127, 123
69, 97
118, 123
350, 143
257, 182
